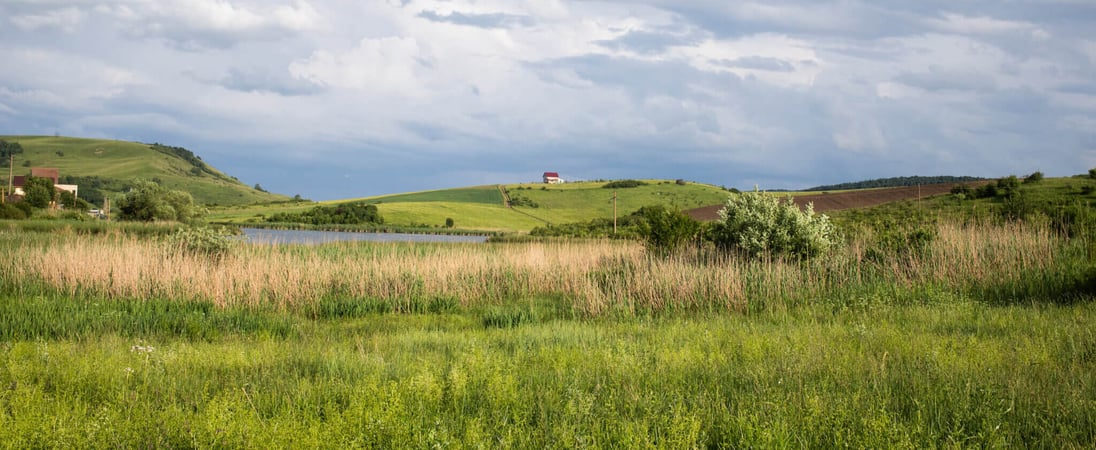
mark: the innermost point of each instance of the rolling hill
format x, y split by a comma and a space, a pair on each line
508, 208
103, 167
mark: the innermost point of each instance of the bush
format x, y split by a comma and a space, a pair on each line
203, 241
39, 192
10, 211
1092, 173
623, 184
759, 224
1035, 177
667, 230
147, 201
449, 223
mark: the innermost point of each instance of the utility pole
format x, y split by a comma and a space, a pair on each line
11, 174
614, 213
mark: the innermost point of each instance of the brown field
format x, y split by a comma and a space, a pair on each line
860, 198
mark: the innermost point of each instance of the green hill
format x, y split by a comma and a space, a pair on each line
484, 207
103, 167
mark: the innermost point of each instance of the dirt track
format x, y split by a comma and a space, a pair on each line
862, 198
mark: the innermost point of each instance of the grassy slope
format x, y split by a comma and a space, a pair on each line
1057, 191
129, 160
481, 208
579, 202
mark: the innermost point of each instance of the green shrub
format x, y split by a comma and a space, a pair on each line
892, 241
205, 241
623, 184
10, 211
665, 230
148, 201
1035, 177
759, 224
1092, 173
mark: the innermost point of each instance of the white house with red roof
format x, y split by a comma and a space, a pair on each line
552, 178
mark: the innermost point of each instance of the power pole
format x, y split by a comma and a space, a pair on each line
11, 174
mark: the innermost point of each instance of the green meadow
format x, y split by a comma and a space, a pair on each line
951, 322
125, 161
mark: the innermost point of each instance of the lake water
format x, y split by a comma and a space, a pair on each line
264, 236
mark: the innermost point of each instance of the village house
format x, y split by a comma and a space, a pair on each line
552, 178
19, 181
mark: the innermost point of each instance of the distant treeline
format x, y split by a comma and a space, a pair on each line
356, 213
895, 182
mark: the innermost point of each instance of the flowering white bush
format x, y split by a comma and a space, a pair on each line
757, 224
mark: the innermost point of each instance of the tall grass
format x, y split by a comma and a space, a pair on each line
1000, 264
963, 375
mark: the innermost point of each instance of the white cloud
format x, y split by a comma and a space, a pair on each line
716, 90
64, 19
387, 65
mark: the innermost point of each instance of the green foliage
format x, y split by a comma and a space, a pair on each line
353, 213
39, 192
206, 241
1035, 177
94, 189
7, 149
259, 188
11, 212
449, 223
894, 182
148, 201
665, 231
894, 241
760, 224
68, 200
523, 201
624, 184
1092, 173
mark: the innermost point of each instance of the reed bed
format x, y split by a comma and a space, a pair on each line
591, 277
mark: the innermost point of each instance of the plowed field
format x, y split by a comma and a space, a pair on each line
861, 198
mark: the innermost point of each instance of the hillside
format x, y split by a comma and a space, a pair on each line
896, 182
103, 167
485, 207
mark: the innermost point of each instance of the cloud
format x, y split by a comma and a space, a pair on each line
389, 64
496, 20
64, 19
759, 63
274, 82
197, 24
784, 94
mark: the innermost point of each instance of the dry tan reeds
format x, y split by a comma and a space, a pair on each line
595, 275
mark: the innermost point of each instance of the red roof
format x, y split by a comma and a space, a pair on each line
551, 175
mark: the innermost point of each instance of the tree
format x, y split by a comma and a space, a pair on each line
69, 200
760, 224
7, 149
665, 230
39, 192
449, 222
147, 201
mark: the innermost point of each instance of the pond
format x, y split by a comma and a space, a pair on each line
264, 236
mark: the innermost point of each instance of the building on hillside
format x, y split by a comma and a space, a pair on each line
19, 181
552, 178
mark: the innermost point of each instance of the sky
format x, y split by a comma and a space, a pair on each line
332, 99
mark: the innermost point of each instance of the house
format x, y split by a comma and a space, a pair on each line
19, 181
552, 178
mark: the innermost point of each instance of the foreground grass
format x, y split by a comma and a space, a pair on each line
962, 374
981, 338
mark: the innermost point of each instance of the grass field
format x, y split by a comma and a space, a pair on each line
129, 160
954, 375
481, 207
